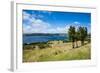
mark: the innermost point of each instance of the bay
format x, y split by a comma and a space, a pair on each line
43, 38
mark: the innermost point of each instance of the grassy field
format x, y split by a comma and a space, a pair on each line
58, 51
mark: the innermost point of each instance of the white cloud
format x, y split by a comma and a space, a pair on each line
27, 17
76, 22
33, 25
40, 26
58, 29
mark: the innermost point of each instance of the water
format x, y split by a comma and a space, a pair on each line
42, 38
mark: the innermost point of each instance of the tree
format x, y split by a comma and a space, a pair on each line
89, 37
85, 33
82, 34
71, 33
76, 38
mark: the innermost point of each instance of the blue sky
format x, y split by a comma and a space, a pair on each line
35, 21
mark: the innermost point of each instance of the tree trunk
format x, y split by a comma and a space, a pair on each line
82, 42
72, 44
76, 44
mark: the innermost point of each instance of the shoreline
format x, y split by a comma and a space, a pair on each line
42, 45
47, 42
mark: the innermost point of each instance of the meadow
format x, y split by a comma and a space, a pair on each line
55, 51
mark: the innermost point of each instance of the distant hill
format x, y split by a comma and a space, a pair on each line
44, 34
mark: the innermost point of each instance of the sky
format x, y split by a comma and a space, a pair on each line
36, 21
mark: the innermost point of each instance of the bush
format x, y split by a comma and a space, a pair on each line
32, 46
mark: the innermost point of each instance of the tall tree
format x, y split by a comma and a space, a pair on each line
76, 38
86, 32
71, 33
82, 34
89, 37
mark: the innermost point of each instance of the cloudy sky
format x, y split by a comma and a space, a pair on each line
35, 21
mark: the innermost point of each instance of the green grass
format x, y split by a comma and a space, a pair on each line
59, 52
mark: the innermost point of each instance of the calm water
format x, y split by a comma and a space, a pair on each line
37, 38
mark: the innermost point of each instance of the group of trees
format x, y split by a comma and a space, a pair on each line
79, 34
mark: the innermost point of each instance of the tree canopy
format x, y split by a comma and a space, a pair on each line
75, 35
